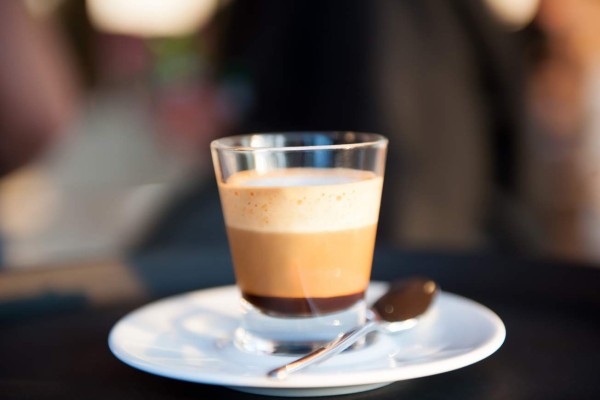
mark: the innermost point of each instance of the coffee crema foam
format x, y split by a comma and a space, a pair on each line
301, 200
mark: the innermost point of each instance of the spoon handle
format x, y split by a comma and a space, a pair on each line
325, 352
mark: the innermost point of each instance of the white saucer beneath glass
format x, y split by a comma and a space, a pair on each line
188, 337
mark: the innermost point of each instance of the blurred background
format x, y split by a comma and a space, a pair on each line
107, 108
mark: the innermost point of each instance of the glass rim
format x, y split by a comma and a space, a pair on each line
370, 140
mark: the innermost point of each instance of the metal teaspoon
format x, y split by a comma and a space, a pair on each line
397, 310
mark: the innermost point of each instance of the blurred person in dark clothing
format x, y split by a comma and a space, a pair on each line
442, 79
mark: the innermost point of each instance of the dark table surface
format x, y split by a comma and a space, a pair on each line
551, 312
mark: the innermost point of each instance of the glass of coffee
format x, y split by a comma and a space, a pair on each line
301, 212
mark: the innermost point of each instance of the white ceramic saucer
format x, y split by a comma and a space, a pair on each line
188, 337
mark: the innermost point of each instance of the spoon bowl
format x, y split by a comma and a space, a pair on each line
406, 300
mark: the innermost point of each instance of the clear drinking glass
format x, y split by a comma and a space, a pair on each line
301, 212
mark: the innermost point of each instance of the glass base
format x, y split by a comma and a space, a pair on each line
265, 334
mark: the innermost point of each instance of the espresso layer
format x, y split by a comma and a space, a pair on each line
305, 306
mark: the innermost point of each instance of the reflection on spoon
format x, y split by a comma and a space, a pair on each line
397, 310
